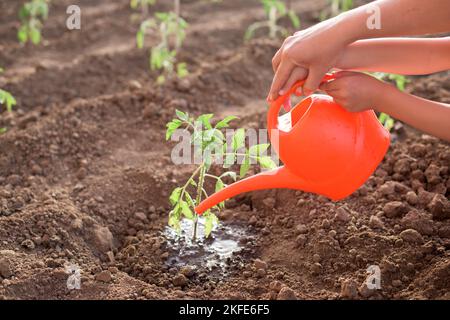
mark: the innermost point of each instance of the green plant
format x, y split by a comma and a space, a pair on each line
172, 32
32, 15
336, 7
274, 10
210, 142
8, 100
400, 81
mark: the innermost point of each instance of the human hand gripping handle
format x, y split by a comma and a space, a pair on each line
275, 106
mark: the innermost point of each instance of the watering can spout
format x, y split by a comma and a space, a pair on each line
280, 177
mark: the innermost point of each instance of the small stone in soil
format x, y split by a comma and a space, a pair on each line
394, 209
259, 264
286, 293
261, 273
375, 222
187, 271
179, 280
411, 198
342, 215
439, 207
411, 235
104, 276
301, 229
275, 286
140, 216
349, 289
5, 268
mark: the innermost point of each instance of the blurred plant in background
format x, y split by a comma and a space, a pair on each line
7, 100
171, 29
400, 81
335, 7
32, 16
274, 10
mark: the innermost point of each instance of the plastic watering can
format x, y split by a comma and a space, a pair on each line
326, 149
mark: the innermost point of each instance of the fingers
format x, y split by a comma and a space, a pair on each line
315, 76
298, 73
329, 86
276, 60
281, 76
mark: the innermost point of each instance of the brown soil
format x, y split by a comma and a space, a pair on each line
85, 174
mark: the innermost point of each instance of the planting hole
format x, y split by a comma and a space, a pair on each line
222, 251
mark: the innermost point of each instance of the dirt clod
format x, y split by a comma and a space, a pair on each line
411, 235
394, 209
5, 268
286, 293
180, 280
343, 215
104, 276
349, 289
439, 207
260, 264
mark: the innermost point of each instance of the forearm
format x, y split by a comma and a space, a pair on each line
428, 116
396, 17
408, 56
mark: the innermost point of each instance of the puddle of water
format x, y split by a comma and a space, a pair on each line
218, 252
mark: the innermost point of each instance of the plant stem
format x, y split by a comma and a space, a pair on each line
201, 180
273, 22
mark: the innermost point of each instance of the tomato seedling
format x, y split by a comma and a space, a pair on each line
210, 142
7, 100
274, 10
336, 7
142, 4
400, 82
172, 32
32, 16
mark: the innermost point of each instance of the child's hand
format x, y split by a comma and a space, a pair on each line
354, 91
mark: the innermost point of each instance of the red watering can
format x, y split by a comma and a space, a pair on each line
327, 150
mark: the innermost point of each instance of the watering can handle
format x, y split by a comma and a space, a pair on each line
275, 106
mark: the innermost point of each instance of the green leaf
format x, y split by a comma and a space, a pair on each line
22, 34
238, 139
182, 70
295, 20
181, 115
140, 39
266, 162
205, 120
7, 99
175, 196
224, 123
189, 199
259, 149
171, 127
210, 220
186, 210
134, 4
3, 130
161, 79
231, 174
219, 185
244, 166
35, 35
